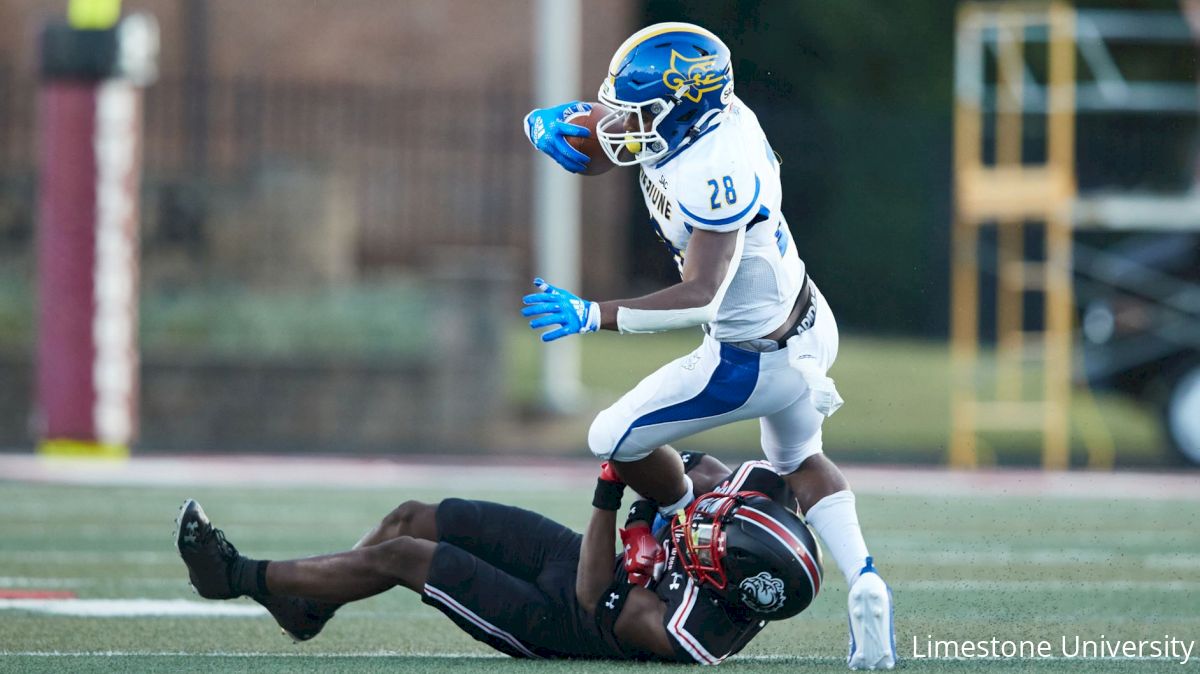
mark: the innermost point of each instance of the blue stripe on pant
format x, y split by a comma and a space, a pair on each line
729, 387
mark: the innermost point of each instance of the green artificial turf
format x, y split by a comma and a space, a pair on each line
962, 568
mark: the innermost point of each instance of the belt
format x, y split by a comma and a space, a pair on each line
803, 320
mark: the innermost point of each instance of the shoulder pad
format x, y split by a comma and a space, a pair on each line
718, 190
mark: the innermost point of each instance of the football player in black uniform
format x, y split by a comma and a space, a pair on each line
697, 590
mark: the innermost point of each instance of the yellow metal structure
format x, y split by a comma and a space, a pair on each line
93, 14
1007, 194
81, 449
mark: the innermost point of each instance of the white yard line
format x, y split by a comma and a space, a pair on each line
1031, 585
59, 582
233, 654
497, 656
128, 608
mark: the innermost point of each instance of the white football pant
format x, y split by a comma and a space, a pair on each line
719, 384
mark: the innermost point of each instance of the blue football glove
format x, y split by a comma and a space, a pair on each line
547, 130
555, 306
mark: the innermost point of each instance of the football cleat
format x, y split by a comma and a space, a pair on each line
872, 634
300, 619
210, 559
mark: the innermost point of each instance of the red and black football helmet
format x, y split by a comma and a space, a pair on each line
750, 551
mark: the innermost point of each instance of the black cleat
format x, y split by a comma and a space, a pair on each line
210, 558
300, 619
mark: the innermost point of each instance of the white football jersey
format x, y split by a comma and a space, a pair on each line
728, 179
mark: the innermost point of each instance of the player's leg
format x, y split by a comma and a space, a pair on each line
792, 441
659, 477
487, 531
516, 616
353, 575
481, 528
411, 518
302, 618
306, 593
712, 386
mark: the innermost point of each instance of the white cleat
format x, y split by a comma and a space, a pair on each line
872, 634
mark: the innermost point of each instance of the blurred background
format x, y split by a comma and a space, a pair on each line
336, 226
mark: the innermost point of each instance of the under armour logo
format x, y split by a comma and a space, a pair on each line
612, 600
190, 538
193, 525
675, 581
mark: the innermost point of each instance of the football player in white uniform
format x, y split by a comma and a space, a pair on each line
711, 183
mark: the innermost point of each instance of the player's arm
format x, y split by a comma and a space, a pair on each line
596, 554
640, 625
712, 260
718, 203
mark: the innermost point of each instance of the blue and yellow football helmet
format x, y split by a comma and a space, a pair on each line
665, 85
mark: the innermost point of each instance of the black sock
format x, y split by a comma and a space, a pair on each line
249, 577
260, 576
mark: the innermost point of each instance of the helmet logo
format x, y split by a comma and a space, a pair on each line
762, 592
699, 72
727, 93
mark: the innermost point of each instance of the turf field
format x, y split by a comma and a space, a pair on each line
1011, 557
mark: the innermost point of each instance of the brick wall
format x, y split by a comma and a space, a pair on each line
434, 45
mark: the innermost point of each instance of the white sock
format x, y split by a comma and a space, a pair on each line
836, 522
668, 511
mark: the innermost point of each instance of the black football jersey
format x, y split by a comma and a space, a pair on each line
702, 628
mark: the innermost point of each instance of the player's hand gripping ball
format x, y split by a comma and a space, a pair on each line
555, 306
567, 134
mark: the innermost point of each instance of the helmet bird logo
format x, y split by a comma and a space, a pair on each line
762, 592
699, 72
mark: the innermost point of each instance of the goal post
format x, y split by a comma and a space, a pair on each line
89, 130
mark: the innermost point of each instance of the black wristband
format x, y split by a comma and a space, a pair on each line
641, 511
691, 460
608, 495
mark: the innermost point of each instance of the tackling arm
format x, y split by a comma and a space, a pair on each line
639, 627
712, 261
596, 558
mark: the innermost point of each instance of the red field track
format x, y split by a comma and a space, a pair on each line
7, 593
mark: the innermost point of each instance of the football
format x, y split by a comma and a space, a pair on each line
590, 146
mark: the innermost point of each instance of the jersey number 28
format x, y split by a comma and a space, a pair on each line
730, 193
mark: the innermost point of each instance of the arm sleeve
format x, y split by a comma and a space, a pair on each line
639, 321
